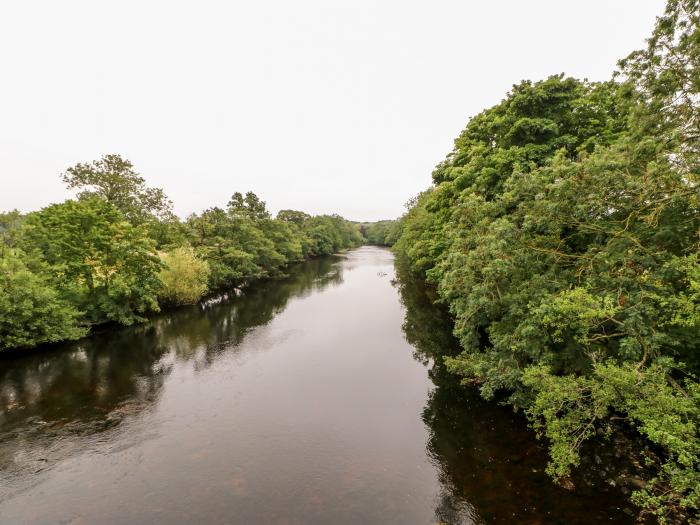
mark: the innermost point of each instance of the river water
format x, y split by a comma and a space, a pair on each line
319, 398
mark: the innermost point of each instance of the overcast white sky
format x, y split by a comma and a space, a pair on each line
318, 105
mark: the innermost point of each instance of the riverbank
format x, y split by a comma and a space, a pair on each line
312, 399
222, 294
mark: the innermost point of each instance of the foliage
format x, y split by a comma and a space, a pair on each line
381, 233
563, 234
250, 206
10, 223
31, 310
293, 216
568, 409
667, 77
96, 259
115, 180
329, 234
244, 243
184, 277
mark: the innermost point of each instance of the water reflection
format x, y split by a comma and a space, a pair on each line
489, 464
203, 332
65, 400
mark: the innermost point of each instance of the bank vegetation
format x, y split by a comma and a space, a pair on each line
563, 232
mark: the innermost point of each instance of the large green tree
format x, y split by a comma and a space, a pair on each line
115, 180
96, 258
294, 216
249, 206
563, 233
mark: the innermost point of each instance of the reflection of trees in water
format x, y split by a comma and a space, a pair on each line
58, 402
426, 326
205, 331
490, 465
52, 403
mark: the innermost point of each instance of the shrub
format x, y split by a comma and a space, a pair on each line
184, 277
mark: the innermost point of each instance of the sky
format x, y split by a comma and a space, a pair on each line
318, 105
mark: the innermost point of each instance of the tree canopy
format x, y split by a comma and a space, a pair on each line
563, 233
118, 253
114, 180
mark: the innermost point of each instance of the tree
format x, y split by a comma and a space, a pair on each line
10, 223
286, 238
97, 259
666, 76
234, 246
31, 310
331, 233
294, 216
380, 233
562, 231
114, 179
250, 206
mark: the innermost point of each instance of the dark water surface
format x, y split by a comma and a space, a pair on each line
315, 399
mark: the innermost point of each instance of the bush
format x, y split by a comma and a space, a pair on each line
184, 277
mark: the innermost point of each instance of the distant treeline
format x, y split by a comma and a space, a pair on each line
117, 253
381, 233
563, 231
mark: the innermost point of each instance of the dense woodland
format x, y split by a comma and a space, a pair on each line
117, 253
563, 233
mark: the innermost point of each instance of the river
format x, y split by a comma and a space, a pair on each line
318, 398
